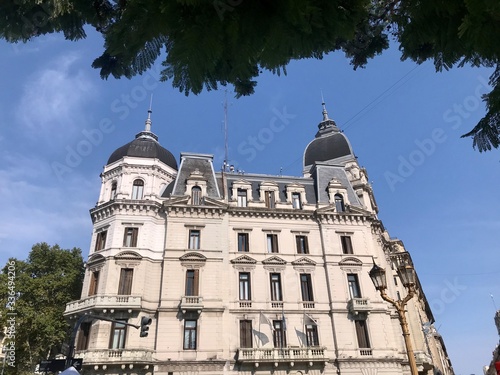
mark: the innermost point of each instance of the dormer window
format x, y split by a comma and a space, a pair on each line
269, 199
113, 191
242, 197
138, 189
196, 196
339, 203
296, 201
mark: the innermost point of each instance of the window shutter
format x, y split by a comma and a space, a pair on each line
196, 282
125, 286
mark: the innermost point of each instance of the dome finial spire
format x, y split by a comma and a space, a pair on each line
325, 113
148, 120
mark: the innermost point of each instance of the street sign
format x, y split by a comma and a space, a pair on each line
57, 365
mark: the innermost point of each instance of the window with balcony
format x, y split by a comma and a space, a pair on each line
243, 242
245, 293
196, 196
269, 198
100, 242
276, 294
82, 342
190, 331
339, 203
346, 244
245, 333
138, 189
130, 237
194, 239
272, 243
353, 282
312, 335
302, 244
118, 334
296, 202
94, 283
113, 191
362, 334
279, 331
242, 197
192, 282
306, 287
125, 284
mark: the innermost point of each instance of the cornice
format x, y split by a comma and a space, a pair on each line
116, 206
271, 213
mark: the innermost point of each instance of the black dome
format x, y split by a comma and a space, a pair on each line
144, 147
328, 145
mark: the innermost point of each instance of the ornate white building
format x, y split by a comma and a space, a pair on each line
244, 273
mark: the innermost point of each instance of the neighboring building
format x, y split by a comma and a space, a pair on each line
492, 368
244, 273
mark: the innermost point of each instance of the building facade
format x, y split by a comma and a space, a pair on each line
244, 273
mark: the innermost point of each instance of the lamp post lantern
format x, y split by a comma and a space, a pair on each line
406, 273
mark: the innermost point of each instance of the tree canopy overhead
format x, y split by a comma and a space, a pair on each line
220, 42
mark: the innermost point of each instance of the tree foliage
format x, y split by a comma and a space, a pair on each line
220, 42
43, 284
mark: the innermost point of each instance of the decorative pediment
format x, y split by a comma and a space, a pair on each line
304, 262
350, 262
193, 257
95, 260
244, 259
128, 255
214, 202
294, 185
177, 200
241, 182
274, 260
268, 184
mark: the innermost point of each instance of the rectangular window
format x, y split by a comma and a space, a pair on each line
243, 242
306, 287
302, 245
100, 242
272, 243
94, 283
312, 335
296, 203
194, 239
118, 334
242, 198
270, 200
346, 244
354, 290
190, 327
192, 281
362, 334
279, 337
125, 285
82, 342
245, 333
276, 287
245, 294
130, 237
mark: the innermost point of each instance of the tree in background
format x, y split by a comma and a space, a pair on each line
210, 43
41, 285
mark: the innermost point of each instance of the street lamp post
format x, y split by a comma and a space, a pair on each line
406, 273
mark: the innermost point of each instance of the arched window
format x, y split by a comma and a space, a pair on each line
113, 191
339, 203
196, 196
138, 189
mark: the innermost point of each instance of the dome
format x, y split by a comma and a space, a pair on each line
330, 144
145, 145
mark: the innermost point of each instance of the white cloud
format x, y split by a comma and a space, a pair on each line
53, 102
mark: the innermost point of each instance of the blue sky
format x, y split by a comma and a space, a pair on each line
60, 123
